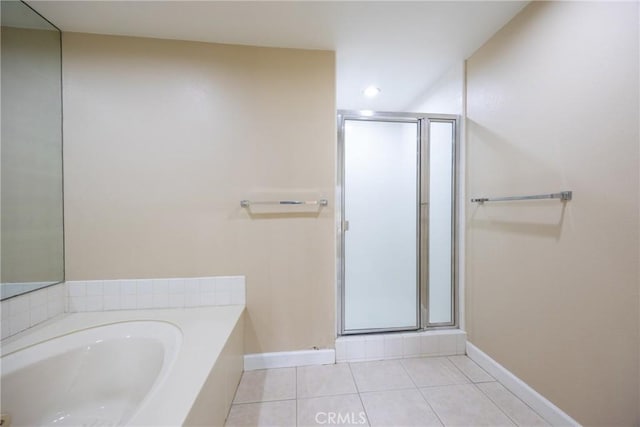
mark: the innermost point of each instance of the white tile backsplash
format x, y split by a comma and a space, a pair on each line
77, 289
128, 294
38, 315
143, 301
392, 346
111, 289
207, 284
4, 311
356, 349
223, 297
176, 300
209, 298
447, 345
341, 351
160, 300
24, 311
19, 305
410, 345
94, 287
446, 342
56, 293
56, 306
37, 299
176, 286
191, 287
191, 300
223, 284
112, 302
127, 302
127, 287
160, 286
94, 303
374, 347
144, 287
429, 345
238, 293
77, 303
19, 322
6, 331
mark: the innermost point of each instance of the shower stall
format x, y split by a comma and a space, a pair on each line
397, 221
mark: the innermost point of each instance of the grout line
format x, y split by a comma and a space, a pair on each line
261, 401
332, 394
495, 404
364, 408
509, 391
455, 367
394, 388
409, 375
422, 395
431, 407
353, 378
468, 376
443, 385
326, 395
460, 370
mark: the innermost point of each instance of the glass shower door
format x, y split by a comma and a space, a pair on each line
380, 225
439, 238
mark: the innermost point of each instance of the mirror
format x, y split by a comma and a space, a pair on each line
32, 246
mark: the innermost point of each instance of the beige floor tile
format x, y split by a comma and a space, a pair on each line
266, 385
380, 375
343, 410
471, 369
433, 371
276, 414
515, 408
325, 380
464, 405
398, 408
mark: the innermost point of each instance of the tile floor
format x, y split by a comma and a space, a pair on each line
425, 391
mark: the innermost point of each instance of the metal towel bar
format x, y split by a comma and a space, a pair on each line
321, 202
563, 196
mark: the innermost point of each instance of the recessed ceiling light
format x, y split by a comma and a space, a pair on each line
371, 91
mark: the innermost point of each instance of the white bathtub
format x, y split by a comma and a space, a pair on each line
149, 367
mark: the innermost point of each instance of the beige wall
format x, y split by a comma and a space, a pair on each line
162, 141
552, 290
32, 241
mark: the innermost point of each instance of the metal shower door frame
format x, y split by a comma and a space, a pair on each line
422, 158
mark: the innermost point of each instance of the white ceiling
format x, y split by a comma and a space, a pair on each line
401, 47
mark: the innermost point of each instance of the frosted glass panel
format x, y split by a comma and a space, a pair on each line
380, 254
440, 221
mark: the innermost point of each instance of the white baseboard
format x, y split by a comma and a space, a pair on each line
289, 359
550, 412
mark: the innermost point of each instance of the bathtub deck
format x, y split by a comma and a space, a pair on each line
201, 384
